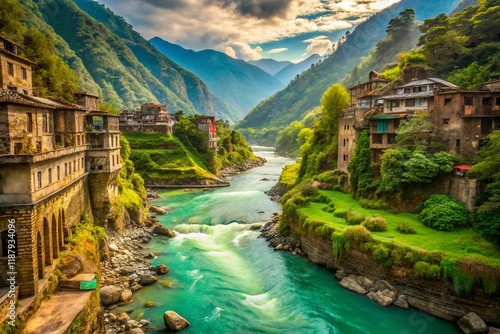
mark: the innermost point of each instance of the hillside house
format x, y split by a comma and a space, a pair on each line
207, 125
364, 97
462, 119
15, 70
408, 98
151, 117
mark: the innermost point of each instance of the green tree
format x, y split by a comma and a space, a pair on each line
360, 168
334, 100
487, 170
415, 131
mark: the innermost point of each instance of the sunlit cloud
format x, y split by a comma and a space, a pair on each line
277, 50
221, 24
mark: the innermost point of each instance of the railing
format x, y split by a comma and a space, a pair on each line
33, 158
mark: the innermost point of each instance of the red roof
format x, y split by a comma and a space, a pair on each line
464, 168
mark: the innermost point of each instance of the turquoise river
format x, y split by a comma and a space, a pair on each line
224, 279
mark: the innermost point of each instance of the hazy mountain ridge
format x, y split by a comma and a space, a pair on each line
291, 71
241, 84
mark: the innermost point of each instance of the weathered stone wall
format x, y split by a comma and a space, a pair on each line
103, 193
436, 297
41, 229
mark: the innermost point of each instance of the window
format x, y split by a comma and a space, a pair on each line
82, 163
486, 101
74, 166
24, 73
468, 100
446, 120
497, 101
29, 123
25, 92
39, 179
383, 126
45, 125
410, 103
457, 143
10, 69
447, 101
18, 147
50, 175
58, 173
395, 103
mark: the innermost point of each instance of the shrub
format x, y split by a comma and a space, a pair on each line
330, 208
405, 228
381, 255
376, 204
375, 224
357, 235
426, 270
443, 213
354, 218
307, 189
340, 213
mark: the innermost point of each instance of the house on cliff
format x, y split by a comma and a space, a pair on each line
15, 70
151, 117
365, 97
207, 124
53, 168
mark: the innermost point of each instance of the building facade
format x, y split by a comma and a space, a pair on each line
15, 70
207, 125
45, 177
151, 117
365, 97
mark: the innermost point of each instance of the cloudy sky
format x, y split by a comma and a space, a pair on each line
248, 29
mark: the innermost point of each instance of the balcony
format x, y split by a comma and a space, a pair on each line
39, 157
481, 111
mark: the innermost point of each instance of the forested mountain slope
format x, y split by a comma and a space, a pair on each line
304, 93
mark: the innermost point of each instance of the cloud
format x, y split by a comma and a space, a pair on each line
262, 9
243, 51
317, 45
278, 50
217, 24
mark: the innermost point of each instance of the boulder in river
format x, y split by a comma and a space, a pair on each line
147, 279
471, 323
161, 269
157, 209
383, 298
402, 302
174, 321
110, 294
350, 283
163, 230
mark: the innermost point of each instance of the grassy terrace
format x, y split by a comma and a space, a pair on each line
163, 157
461, 243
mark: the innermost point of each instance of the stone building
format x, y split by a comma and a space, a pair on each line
364, 98
462, 119
151, 117
207, 125
15, 71
408, 98
46, 149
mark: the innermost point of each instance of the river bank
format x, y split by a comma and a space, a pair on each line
358, 273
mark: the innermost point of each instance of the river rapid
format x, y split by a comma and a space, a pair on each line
224, 279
